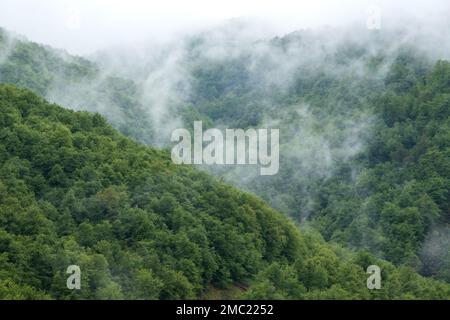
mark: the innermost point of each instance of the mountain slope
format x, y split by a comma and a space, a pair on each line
74, 82
74, 191
364, 122
363, 118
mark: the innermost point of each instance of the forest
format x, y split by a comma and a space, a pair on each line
364, 172
142, 227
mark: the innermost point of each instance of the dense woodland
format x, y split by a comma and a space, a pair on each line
75, 191
395, 190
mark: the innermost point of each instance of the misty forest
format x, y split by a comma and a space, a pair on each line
86, 176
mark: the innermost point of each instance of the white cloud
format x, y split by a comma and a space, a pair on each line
82, 26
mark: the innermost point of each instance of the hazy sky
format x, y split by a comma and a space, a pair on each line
83, 26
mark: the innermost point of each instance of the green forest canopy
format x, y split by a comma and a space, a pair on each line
74, 191
391, 198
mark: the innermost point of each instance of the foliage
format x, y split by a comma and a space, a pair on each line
74, 191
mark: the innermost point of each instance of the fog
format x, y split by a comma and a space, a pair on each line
85, 26
299, 66
150, 43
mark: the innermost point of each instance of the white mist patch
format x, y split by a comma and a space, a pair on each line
435, 253
7, 46
85, 95
163, 91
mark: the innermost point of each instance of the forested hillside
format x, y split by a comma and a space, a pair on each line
366, 161
364, 158
75, 82
74, 191
365, 144
364, 122
402, 192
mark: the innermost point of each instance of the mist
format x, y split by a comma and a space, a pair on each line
355, 91
83, 27
274, 46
